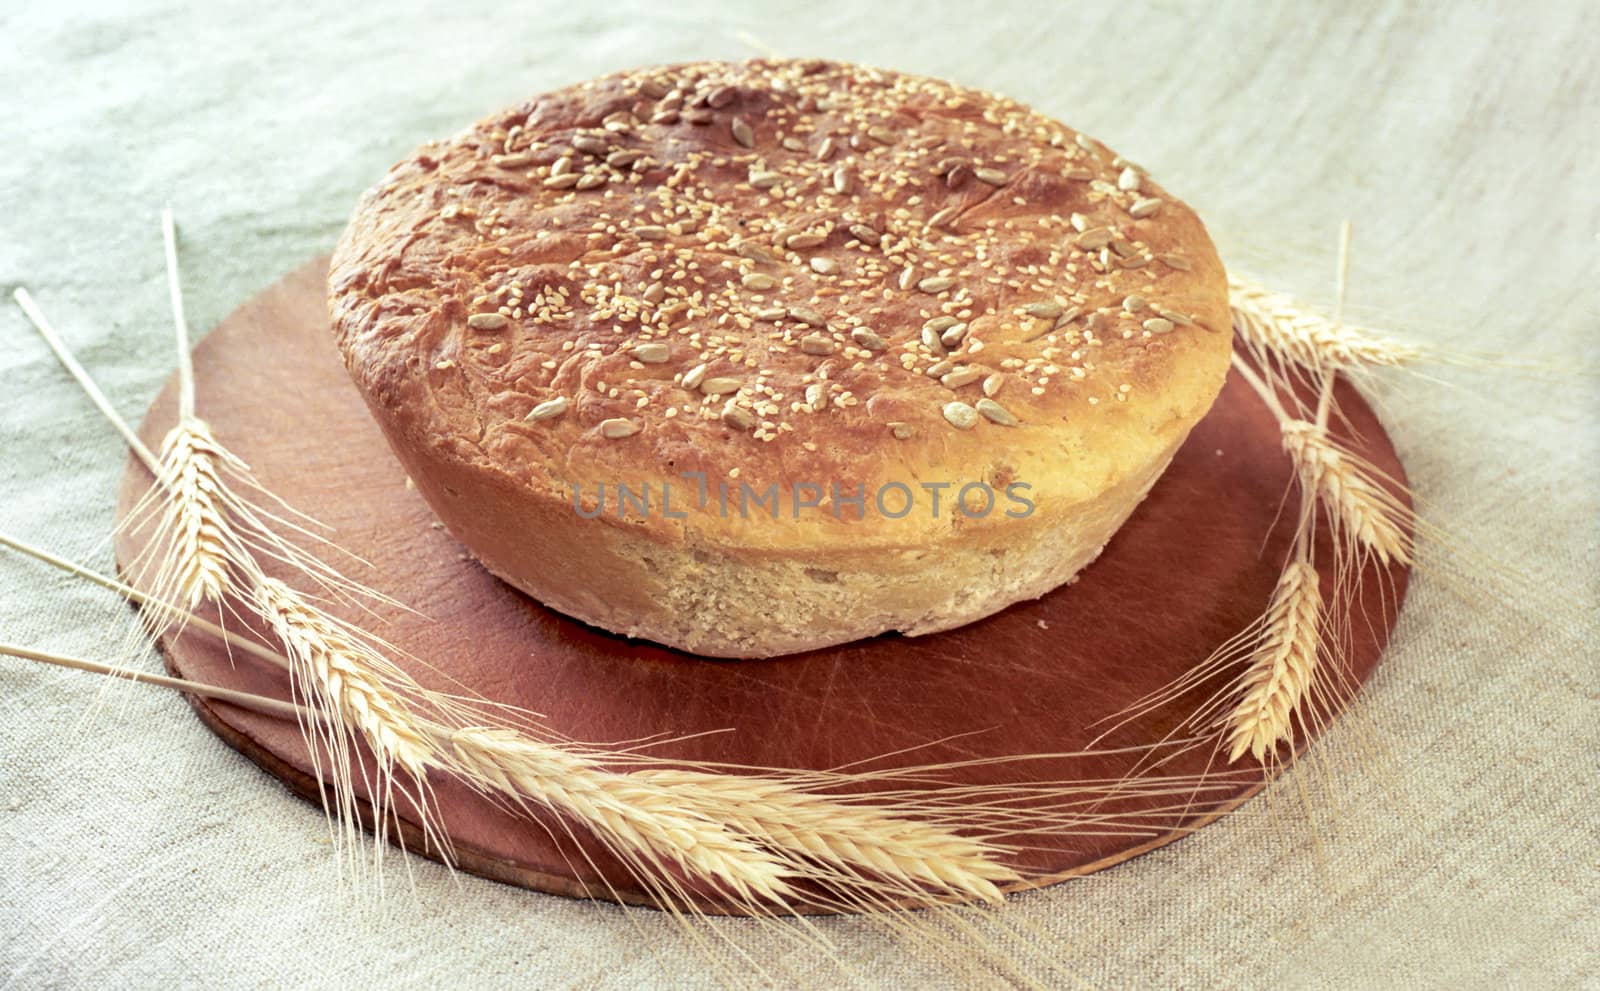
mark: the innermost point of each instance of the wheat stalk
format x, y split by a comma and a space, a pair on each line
1275, 323
1281, 669
848, 836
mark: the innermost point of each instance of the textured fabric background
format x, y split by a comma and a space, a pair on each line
1452, 830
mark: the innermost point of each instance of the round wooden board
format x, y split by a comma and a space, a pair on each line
1197, 561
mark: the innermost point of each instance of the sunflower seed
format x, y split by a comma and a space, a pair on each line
651, 353
742, 132
1128, 180
1123, 247
824, 266
816, 397
1067, 317
939, 368
770, 313
808, 316
1044, 311
487, 321
993, 177
754, 252
1134, 261
945, 218
818, 344
842, 181
590, 145
995, 413
650, 232
908, 278
720, 385
1085, 142
1093, 239
960, 377
940, 324
1147, 207
765, 179
562, 181
1133, 303
616, 428
936, 283
800, 242
825, 150
655, 89
655, 293
694, 376
1175, 261
930, 340
868, 339
1158, 325
960, 415
1079, 222
1078, 174
590, 181
953, 335
957, 177
993, 384
901, 431
1180, 319
548, 409
664, 117
721, 96
624, 158
512, 161
699, 116
738, 417
861, 232
881, 134
757, 281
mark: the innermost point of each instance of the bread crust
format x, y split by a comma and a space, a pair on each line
720, 299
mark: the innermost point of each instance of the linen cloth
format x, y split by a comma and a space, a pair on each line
1451, 829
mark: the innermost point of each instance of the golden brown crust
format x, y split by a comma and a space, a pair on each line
774, 273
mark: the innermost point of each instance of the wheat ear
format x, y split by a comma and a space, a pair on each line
634, 816
844, 835
1281, 669
1273, 323
1361, 508
195, 522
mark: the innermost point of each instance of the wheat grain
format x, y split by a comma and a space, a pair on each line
1362, 509
1281, 668
640, 819
1276, 323
845, 835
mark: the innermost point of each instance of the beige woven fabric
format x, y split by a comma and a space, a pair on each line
1450, 839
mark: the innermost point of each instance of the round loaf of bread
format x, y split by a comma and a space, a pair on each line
748, 359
